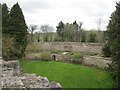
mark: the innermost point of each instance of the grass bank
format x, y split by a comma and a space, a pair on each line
69, 75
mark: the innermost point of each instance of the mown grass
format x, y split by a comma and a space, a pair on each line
69, 75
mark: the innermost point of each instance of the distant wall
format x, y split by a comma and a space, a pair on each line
70, 46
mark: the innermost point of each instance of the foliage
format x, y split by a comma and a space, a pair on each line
57, 52
47, 30
58, 39
83, 36
33, 48
68, 32
31, 30
0, 17
7, 47
76, 57
73, 32
92, 37
106, 51
45, 56
5, 19
75, 36
89, 53
72, 57
113, 30
59, 29
14, 32
18, 29
69, 75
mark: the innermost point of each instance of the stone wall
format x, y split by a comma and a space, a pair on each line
70, 46
95, 60
11, 76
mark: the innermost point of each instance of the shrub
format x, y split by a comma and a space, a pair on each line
33, 48
77, 57
46, 56
8, 49
106, 51
57, 52
89, 53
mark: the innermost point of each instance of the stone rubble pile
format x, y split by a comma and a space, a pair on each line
11, 76
96, 60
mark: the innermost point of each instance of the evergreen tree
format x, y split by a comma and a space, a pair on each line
0, 18
18, 29
5, 19
0, 30
76, 25
60, 30
114, 43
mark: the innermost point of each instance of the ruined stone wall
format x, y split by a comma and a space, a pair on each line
95, 60
11, 76
70, 46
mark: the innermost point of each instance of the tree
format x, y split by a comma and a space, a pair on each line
92, 37
7, 48
5, 33
0, 30
80, 31
113, 30
47, 30
100, 33
31, 30
106, 50
5, 19
68, 32
18, 29
76, 25
0, 19
83, 36
60, 30
76, 31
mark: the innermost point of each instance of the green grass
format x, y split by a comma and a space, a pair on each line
57, 52
69, 75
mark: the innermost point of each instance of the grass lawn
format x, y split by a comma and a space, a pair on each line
69, 75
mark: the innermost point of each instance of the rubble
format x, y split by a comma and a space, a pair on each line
11, 76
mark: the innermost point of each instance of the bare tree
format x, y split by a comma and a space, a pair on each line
47, 30
31, 30
99, 23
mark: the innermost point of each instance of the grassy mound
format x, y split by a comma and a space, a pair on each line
69, 75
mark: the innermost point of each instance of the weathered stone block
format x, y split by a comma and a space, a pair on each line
11, 77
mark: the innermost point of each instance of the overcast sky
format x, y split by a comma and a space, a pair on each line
40, 12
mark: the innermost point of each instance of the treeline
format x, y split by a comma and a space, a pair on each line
69, 32
14, 32
73, 32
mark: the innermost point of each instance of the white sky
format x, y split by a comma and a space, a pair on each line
40, 12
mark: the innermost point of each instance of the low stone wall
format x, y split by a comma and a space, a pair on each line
11, 76
95, 60
70, 46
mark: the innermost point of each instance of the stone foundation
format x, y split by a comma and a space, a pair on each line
11, 76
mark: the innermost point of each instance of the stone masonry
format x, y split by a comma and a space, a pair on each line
70, 46
11, 76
